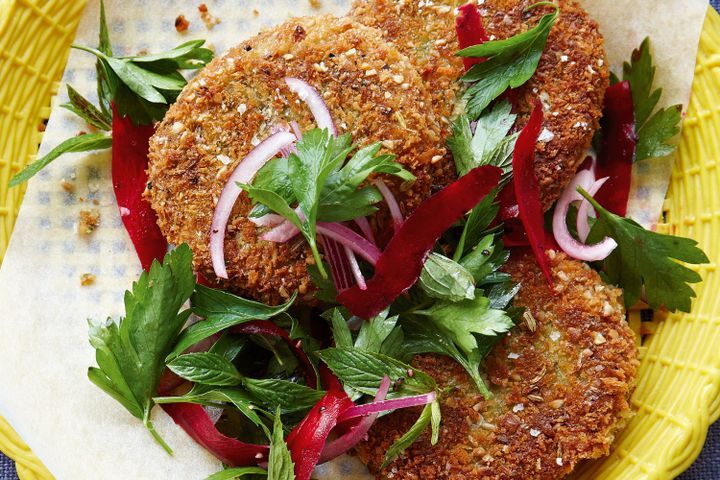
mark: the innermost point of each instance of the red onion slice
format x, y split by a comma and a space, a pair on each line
575, 249
314, 101
583, 226
296, 129
281, 233
364, 227
343, 235
268, 220
392, 204
386, 405
337, 447
339, 267
355, 269
243, 173
286, 151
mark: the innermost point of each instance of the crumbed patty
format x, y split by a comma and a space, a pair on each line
372, 91
570, 80
560, 383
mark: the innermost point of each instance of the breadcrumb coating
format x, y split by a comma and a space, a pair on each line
372, 91
570, 81
561, 383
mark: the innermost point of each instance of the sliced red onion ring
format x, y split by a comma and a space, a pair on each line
268, 220
343, 235
296, 129
284, 231
392, 203
314, 101
281, 233
386, 405
355, 269
356, 434
583, 226
339, 267
243, 173
286, 151
575, 249
364, 227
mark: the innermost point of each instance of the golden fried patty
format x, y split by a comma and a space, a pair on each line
561, 383
570, 80
372, 91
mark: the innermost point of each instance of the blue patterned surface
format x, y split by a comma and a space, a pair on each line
707, 466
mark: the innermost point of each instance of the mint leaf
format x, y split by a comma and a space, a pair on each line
340, 330
647, 259
206, 368
234, 473
82, 143
280, 464
435, 419
654, 131
445, 279
401, 444
105, 84
143, 86
289, 397
216, 398
81, 107
131, 355
510, 63
221, 311
363, 371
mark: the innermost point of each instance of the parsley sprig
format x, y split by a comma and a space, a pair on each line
131, 353
139, 86
510, 62
654, 130
325, 184
646, 261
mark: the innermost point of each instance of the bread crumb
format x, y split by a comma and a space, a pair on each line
89, 221
181, 23
256, 12
87, 279
315, 3
209, 20
67, 186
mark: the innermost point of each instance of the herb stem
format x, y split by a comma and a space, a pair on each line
460, 249
316, 255
149, 425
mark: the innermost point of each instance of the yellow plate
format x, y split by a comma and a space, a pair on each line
678, 393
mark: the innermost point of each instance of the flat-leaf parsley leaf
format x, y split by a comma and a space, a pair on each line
510, 63
131, 353
647, 259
